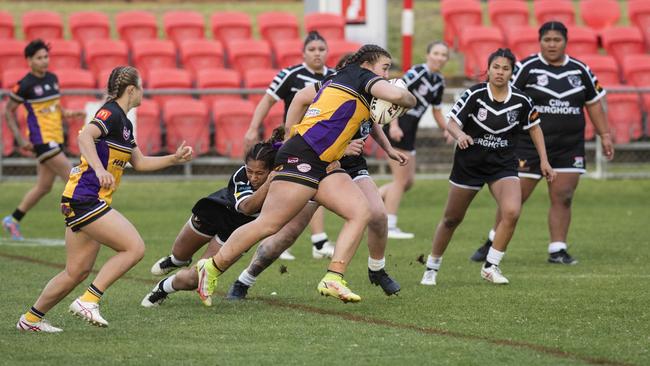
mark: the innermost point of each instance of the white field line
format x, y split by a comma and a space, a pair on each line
33, 242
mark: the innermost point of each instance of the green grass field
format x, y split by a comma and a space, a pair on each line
592, 313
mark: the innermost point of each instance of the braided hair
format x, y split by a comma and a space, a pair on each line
265, 151
120, 78
369, 52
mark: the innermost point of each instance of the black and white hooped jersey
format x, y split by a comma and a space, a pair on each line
559, 94
426, 86
289, 81
493, 125
239, 188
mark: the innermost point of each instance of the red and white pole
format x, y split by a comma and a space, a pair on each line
407, 34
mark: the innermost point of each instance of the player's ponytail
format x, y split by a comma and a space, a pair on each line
120, 78
369, 52
313, 36
265, 151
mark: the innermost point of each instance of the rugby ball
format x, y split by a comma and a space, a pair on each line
381, 111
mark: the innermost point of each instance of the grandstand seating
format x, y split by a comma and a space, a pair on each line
74, 125
199, 54
64, 54
42, 24
105, 54
75, 79
218, 79
148, 133
258, 79
329, 25
636, 69
89, 25
6, 25
337, 49
639, 12
136, 26
459, 14
621, 41
102, 79
604, 67
507, 14
187, 120
599, 14
287, 52
559, 10
11, 76
582, 41
153, 54
7, 136
231, 119
165, 78
523, 41
277, 25
245, 54
273, 119
624, 116
230, 25
12, 54
183, 25
478, 43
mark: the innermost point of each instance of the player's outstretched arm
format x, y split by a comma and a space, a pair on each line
390, 93
148, 163
261, 111
378, 134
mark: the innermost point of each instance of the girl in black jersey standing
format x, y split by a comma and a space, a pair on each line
485, 122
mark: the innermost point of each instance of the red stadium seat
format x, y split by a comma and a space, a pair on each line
621, 41
230, 25
183, 25
558, 10
604, 67
75, 124
477, 43
624, 116
106, 54
11, 76
639, 11
64, 54
136, 26
329, 25
273, 119
231, 120
187, 120
636, 69
12, 54
153, 54
218, 79
6, 25
89, 25
599, 14
258, 79
507, 14
459, 14
148, 133
75, 79
42, 24
277, 25
523, 41
582, 41
7, 136
246, 54
288, 52
102, 79
200, 54
337, 49
169, 79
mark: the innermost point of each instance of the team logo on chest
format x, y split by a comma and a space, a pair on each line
423, 89
126, 133
542, 80
38, 90
575, 81
512, 117
482, 114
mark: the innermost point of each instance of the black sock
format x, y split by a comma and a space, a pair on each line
319, 244
340, 274
488, 243
488, 264
18, 215
431, 269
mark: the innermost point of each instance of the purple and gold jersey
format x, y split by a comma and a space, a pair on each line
341, 105
41, 99
114, 148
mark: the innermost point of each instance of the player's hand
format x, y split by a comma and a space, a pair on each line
251, 137
464, 141
395, 132
355, 148
398, 156
183, 154
608, 146
547, 170
106, 179
449, 139
26, 147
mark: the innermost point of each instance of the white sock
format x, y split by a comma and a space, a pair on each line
491, 234
433, 262
246, 278
177, 261
392, 221
318, 237
494, 256
167, 284
556, 246
376, 264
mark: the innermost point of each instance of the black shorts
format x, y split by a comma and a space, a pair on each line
474, 179
47, 151
355, 166
563, 160
297, 162
212, 219
409, 126
81, 213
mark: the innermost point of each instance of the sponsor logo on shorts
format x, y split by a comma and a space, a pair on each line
304, 167
363, 172
575, 81
333, 166
279, 167
38, 90
578, 161
482, 114
292, 160
66, 210
542, 80
523, 167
